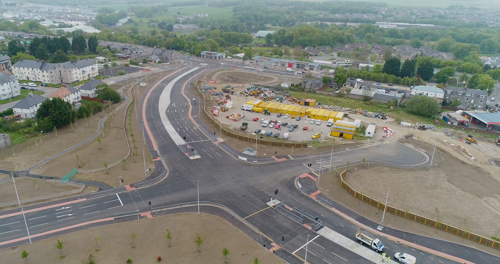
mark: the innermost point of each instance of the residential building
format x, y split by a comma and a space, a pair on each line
311, 51
429, 91
9, 86
5, 64
68, 94
66, 72
89, 88
468, 98
213, 55
27, 107
313, 84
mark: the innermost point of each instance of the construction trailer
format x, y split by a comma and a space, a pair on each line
370, 130
340, 116
342, 134
309, 111
333, 115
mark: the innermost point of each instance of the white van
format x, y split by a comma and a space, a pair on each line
247, 107
289, 69
286, 136
330, 122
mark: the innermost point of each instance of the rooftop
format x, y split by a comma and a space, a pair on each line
4, 77
29, 101
428, 89
63, 91
487, 118
90, 85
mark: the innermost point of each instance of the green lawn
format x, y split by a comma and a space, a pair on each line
24, 93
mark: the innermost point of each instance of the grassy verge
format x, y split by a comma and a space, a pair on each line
24, 93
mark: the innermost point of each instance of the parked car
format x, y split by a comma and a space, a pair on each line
271, 125
43, 84
295, 126
32, 85
289, 125
269, 134
305, 128
277, 135
284, 124
290, 129
256, 119
263, 132
33, 89
278, 126
312, 121
257, 131
286, 116
315, 136
318, 122
390, 84
24, 88
278, 115
298, 118
405, 258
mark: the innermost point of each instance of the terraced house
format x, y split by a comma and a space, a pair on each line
66, 72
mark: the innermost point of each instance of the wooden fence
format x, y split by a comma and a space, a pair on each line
417, 218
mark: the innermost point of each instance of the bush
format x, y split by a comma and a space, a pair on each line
127, 64
121, 72
129, 260
423, 105
114, 63
92, 106
104, 92
7, 112
134, 62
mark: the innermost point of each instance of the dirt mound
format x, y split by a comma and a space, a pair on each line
239, 77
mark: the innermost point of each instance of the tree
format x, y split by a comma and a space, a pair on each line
79, 45
473, 80
416, 43
455, 103
425, 71
442, 77
340, 79
104, 92
59, 56
24, 255
92, 43
225, 253
22, 56
387, 54
269, 39
461, 50
15, 47
256, 261
249, 54
392, 66
445, 44
60, 246
199, 242
408, 69
169, 238
326, 80
57, 111
132, 239
485, 82
423, 105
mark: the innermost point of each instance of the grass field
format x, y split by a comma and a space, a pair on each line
24, 93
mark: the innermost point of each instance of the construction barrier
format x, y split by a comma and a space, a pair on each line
417, 218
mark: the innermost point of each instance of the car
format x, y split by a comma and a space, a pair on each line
43, 84
318, 122
359, 80
390, 84
279, 122
277, 135
289, 125
496, 105
265, 67
295, 126
298, 118
284, 124
492, 99
274, 121
263, 132
286, 116
278, 115
405, 258
33, 89
31, 84
278, 126
312, 121
269, 134
305, 128
377, 83
315, 136
262, 120
256, 119
293, 117
24, 88
257, 131
271, 125
290, 129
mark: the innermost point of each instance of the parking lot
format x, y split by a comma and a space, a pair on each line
298, 134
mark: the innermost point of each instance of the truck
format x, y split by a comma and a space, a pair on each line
373, 243
330, 122
247, 107
244, 126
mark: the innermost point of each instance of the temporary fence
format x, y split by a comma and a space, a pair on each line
417, 218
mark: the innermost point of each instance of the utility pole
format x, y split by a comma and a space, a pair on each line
331, 158
385, 207
307, 243
198, 191
20, 205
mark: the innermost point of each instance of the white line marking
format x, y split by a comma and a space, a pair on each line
119, 199
63, 208
310, 241
339, 256
37, 217
127, 212
114, 207
218, 154
310, 252
64, 212
92, 212
318, 245
10, 223
65, 218
111, 201
88, 206
64, 215
326, 261
10, 231
210, 156
39, 225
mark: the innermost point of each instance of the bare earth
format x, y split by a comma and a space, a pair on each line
150, 243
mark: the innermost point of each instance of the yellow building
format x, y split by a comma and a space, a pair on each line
340, 116
309, 111
333, 115
284, 110
343, 134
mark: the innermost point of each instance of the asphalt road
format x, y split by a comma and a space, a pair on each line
244, 188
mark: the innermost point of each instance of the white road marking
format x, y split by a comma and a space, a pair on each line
218, 154
111, 201
64, 215
339, 257
210, 156
10, 223
114, 207
39, 225
10, 231
310, 241
119, 199
326, 261
88, 206
318, 245
37, 217
92, 212
310, 252
65, 218
64, 212
63, 208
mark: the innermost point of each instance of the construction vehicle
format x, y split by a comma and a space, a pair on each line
422, 127
373, 243
266, 112
471, 139
498, 141
244, 126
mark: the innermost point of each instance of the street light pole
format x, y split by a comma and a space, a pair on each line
292, 150
331, 158
432, 159
20, 205
385, 207
198, 191
307, 243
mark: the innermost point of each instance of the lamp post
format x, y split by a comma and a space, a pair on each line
20, 205
41, 134
120, 180
385, 207
307, 243
198, 191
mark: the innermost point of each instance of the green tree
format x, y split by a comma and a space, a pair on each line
57, 111
225, 251
425, 71
455, 102
387, 54
461, 50
92, 43
392, 66
445, 44
22, 56
442, 77
485, 82
169, 238
178, 43
423, 105
15, 47
59, 56
408, 69
24, 256
104, 92
340, 79
60, 246
42, 53
199, 243
132, 239
256, 261
473, 80
78, 44
326, 80
249, 54
416, 43
269, 39
494, 73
